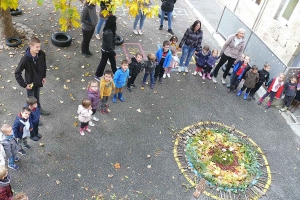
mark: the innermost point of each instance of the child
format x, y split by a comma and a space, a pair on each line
240, 61
173, 43
164, 58
239, 72
2, 154
274, 90
135, 67
10, 145
210, 63
84, 112
34, 118
94, 97
296, 100
149, 66
20, 196
173, 64
120, 79
264, 76
106, 86
202, 57
251, 78
290, 88
21, 128
5, 189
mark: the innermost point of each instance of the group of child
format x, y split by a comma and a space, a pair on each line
13, 140
159, 66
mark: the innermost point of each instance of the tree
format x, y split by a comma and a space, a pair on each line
69, 15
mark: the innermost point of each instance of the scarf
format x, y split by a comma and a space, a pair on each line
26, 132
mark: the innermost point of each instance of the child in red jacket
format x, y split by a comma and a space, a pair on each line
275, 89
5, 189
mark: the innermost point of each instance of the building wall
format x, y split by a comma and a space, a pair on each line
282, 38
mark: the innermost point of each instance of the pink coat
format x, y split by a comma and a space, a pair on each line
84, 115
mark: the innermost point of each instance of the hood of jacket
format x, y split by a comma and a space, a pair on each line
29, 56
5, 182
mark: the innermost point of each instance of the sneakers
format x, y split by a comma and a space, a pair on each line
268, 105
44, 112
140, 32
143, 84
91, 123
170, 31
34, 138
152, 86
195, 73
283, 109
132, 85
129, 89
260, 101
203, 76
97, 78
186, 69
135, 32
27, 146
179, 69
17, 159
164, 76
228, 85
214, 80
39, 136
160, 27
229, 90
81, 132
160, 80
223, 81
95, 119
98, 36
200, 74
22, 152
208, 76
104, 111
168, 75
14, 167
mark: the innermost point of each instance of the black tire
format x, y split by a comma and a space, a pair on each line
165, 17
14, 12
61, 39
224, 68
13, 41
119, 40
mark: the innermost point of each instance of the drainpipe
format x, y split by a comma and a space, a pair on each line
258, 18
237, 3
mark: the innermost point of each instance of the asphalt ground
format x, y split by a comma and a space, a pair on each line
70, 166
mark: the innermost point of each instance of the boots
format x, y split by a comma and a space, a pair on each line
260, 101
114, 98
203, 76
239, 93
120, 94
268, 104
208, 76
246, 96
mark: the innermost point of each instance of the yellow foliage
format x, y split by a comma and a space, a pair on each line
5, 4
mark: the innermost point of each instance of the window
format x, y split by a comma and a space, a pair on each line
287, 10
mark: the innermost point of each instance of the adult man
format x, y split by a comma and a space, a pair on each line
34, 63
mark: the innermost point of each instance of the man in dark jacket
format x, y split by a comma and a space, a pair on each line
34, 64
167, 6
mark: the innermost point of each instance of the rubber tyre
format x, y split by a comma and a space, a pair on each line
10, 43
15, 12
61, 39
119, 40
224, 68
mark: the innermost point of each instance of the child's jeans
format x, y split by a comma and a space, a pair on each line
287, 100
22, 142
234, 82
168, 70
271, 94
103, 102
151, 77
11, 160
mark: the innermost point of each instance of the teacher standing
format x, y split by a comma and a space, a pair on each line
231, 52
108, 47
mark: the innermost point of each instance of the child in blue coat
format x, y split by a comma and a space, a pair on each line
34, 118
163, 58
120, 78
22, 127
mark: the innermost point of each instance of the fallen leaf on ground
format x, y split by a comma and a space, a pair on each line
57, 182
110, 175
117, 165
149, 166
139, 110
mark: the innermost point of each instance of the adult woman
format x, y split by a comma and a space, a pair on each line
167, 6
231, 51
190, 43
108, 46
89, 20
140, 16
102, 19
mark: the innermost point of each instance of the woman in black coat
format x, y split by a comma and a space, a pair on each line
108, 47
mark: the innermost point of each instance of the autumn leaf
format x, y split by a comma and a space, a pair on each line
117, 165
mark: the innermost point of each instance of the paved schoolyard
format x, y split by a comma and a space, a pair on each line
70, 166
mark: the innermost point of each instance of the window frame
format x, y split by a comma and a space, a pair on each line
284, 7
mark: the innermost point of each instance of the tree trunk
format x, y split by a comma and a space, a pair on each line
6, 26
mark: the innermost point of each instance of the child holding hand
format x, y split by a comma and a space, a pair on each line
120, 78
93, 96
106, 86
251, 78
210, 63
